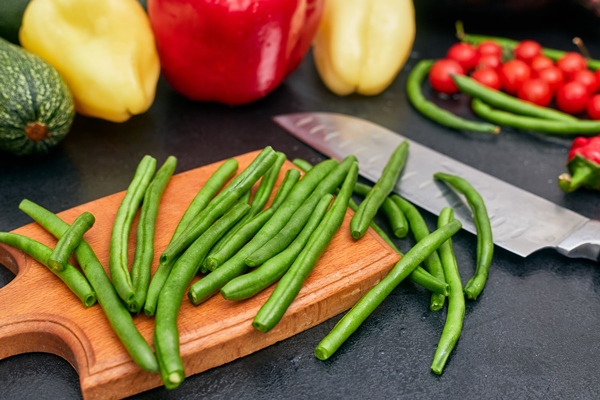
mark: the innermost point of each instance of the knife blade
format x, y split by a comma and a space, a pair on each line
521, 221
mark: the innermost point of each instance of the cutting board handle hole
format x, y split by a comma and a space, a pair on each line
8, 267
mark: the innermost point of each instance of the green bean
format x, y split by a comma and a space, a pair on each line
302, 164
118, 263
213, 282
420, 231
456, 299
249, 284
432, 111
483, 227
291, 229
70, 275
59, 258
206, 193
144, 251
376, 196
290, 284
390, 209
240, 237
166, 334
507, 102
221, 203
579, 127
369, 302
117, 315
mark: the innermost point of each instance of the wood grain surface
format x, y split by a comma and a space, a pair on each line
39, 314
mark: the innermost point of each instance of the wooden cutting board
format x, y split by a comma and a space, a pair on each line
39, 314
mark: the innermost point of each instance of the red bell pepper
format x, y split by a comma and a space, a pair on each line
231, 51
583, 162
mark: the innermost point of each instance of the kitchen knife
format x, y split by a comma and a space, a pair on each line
521, 222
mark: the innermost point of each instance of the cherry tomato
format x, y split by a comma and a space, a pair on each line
554, 76
536, 91
572, 97
489, 61
588, 78
570, 63
487, 77
465, 54
489, 47
512, 74
527, 50
593, 107
440, 75
539, 63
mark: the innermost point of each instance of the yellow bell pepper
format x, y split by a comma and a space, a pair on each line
104, 49
361, 45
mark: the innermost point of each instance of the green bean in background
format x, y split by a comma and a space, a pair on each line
507, 102
207, 192
292, 281
251, 283
70, 275
219, 254
483, 227
302, 164
419, 228
430, 110
235, 266
368, 208
390, 209
456, 299
59, 258
117, 315
374, 297
577, 127
118, 263
291, 229
166, 334
146, 228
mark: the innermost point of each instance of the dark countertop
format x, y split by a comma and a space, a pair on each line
533, 333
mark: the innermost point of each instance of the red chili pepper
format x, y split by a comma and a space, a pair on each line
231, 51
583, 162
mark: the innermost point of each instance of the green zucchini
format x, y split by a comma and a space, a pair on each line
36, 106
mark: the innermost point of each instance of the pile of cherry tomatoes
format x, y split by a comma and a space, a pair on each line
528, 75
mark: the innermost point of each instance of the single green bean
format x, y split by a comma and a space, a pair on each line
118, 261
507, 102
70, 275
290, 284
376, 196
144, 250
206, 193
117, 315
291, 229
59, 258
369, 302
432, 111
390, 209
221, 203
166, 334
483, 227
302, 164
420, 230
241, 236
456, 299
578, 127
249, 284
213, 282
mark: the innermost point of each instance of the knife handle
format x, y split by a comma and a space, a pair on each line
582, 243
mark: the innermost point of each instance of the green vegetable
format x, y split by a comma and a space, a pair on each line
69, 274
118, 257
369, 302
390, 209
69, 241
117, 315
456, 299
36, 107
485, 242
432, 111
290, 284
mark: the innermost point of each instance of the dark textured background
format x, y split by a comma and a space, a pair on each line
535, 331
